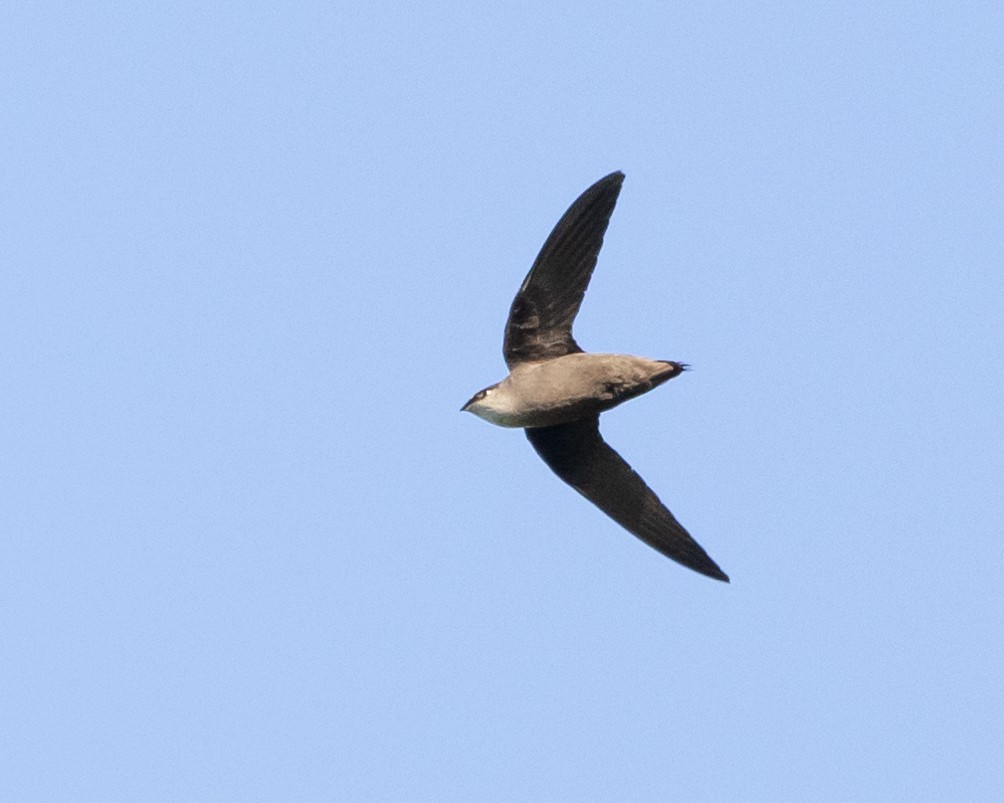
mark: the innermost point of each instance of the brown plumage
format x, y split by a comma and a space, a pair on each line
556, 391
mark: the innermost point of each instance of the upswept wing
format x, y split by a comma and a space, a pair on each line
577, 453
540, 319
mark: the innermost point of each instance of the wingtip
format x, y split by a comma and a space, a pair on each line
610, 182
617, 177
699, 561
608, 187
708, 568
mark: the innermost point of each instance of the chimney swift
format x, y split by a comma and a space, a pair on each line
556, 391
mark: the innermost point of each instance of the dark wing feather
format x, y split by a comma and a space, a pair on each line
540, 319
578, 454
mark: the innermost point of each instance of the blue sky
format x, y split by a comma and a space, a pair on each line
256, 256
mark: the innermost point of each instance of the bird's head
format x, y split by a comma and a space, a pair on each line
480, 401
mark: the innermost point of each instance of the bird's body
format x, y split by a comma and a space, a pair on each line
564, 389
556, 391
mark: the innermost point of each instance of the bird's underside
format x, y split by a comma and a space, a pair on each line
556, 392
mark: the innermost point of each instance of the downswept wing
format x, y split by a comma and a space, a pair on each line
577, 453
540, 319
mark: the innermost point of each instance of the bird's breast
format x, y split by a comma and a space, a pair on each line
575, 386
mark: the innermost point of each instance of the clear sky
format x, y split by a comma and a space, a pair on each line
253, 259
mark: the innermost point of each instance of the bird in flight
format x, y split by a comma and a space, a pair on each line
556, 391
